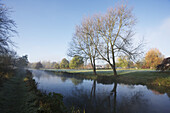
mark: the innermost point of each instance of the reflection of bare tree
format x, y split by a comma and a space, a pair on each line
93, 90
95, 102
113, 91
135, 103
115, 94
93, 94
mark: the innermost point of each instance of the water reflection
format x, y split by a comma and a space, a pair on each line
109, 103
134, 103
93, 90
114, 99
63, 79
100, 96
76, 81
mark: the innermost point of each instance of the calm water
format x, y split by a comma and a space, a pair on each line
96, 97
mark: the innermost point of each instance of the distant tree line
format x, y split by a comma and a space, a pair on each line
151, 60
76, 63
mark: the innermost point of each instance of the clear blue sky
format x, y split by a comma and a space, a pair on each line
46, 27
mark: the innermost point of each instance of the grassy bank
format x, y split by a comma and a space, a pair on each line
15, 97
19, 94
46, 103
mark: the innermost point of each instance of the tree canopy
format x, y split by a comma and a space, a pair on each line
64, 63
57, 66
22, 61
122, 62
76, 62
153, 57
38, 65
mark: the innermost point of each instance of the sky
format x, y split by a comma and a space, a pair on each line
45, 27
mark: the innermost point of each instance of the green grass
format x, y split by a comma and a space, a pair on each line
144, 77
85, 71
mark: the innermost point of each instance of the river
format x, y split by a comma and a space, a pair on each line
97, 97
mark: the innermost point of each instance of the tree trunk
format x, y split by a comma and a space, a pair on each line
114, 65
114, 70
94, 67
94, 71
93, 64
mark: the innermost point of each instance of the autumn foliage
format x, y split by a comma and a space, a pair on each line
153, 57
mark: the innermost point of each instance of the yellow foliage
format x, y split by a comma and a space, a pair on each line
153, 57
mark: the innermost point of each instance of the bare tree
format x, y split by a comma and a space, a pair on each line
7, 25
114, 30
107, 36
83, 45
6, 29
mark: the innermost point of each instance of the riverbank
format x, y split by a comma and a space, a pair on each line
142, 77
159, 81
19, 94
15, 96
